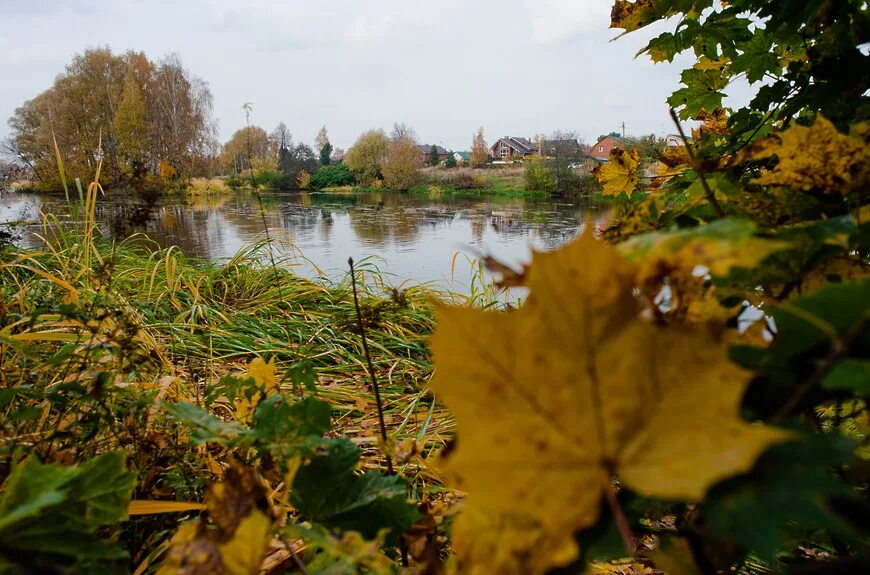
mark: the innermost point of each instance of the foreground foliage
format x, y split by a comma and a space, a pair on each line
691, 399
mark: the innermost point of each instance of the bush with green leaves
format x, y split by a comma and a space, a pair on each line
331, 176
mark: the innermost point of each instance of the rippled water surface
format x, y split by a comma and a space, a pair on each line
410, 237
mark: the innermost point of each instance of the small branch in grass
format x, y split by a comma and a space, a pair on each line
628, 538
707, 191
371, 368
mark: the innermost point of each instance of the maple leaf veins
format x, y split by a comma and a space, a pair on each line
556, 399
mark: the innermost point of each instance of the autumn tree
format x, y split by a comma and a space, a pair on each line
401, 131
479, 150
401, 166
123, 109
131, 129
280, 139
247, 148
321, 139
181, 113
366, 158
559, 154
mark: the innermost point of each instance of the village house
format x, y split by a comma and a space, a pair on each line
426, 150
462, 158
511, 148
602, 148
674, 140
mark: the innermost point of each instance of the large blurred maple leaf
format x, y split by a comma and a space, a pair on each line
555, 400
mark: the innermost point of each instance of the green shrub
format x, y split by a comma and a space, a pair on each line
234, 181
271, 180
538, 178
334, 175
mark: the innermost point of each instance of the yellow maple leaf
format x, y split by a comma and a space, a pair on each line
719, 247
816, 157
266, 382
715, 122
239, 540
621, 174
632, 15
244, 552
554, 400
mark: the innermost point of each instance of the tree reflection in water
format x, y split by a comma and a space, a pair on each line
413, 236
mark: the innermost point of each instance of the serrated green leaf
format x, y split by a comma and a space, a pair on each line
327, 490
702, 91
51, 514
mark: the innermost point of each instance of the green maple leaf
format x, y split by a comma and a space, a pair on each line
702, 91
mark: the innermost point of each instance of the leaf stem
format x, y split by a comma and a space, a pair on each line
371, 369
707, 191
628, 538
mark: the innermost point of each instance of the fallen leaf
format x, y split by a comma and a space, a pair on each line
556, 399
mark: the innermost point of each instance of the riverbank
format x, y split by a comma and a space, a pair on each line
98, 342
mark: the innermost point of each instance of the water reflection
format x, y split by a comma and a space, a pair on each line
409, 236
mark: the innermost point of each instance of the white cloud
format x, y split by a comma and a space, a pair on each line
364, 31
556, 20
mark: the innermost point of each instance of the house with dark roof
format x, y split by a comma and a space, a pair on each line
511, 148
602, 148
426, 149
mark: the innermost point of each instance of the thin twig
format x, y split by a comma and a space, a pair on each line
371, 368
296, 559
628, 538
707, 191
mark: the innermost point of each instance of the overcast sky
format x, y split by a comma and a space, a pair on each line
444, 67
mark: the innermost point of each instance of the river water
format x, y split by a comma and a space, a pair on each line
408, 237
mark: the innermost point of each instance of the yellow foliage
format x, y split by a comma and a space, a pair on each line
718, 248
239, 540
621, 174
816, 157
243, 554
555, 400
715, 122
674, 556
303, 180
266, 383
632, 15
166, 171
